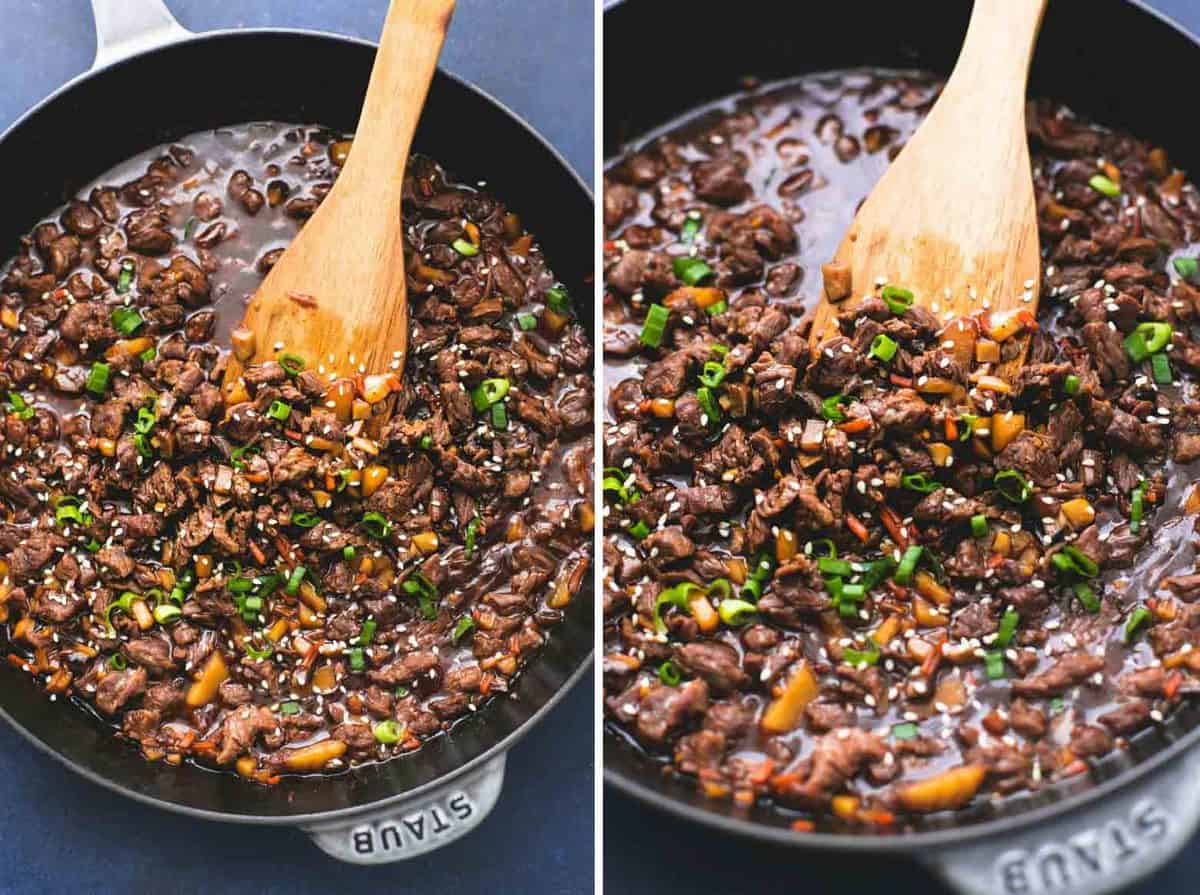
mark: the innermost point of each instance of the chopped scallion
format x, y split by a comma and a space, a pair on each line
126, 320
691, 270
655, 325
883, 348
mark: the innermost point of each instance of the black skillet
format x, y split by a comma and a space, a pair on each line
1116, 62
154, 82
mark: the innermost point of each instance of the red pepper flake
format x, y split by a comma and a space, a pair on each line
803, 826
1172, 684
305, 301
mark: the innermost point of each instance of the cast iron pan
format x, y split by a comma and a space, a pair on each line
154, 82
1116, 62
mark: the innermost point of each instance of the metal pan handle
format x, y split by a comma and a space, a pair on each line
415, 827
1102, 847
126, 27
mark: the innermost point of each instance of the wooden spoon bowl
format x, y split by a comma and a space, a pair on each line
953, 218
337, 297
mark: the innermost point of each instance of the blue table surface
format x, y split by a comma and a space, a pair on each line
648, 854
59, 833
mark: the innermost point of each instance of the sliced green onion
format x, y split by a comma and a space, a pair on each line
348, 552
279, 410
868, 656
1140, 616
293, 364
126, 320
426, 442
1102, 184
898, 299
690, 228
19, 406
1008, 627
367, 634
718, 307
1160, 368
832, 566
713, 374
304, 519
709, 405
908, 564
994, 662
117, 662
1156, 334
831, 408
465, 248
97, 381
752, 589
164, 613
1147, 339
1081, 563
1013, 485
358, 660
920, 482
142, 443
678, 596
967, 423
639, 529
1135, 347
148, 355
146, 420
883, 348
1186, 267
1071, 384
71, 509
655, 325
125, 277
376, 525
979, 526
736, 612
255, 653
289, 708
691, 270
294, 579
402, 692
558, 300
417, 585
472, 534
465, 624
235, 456
388, 731
527, 322
1086, 596
1137, 507
499, 417
905, 731
814, 548
669, 674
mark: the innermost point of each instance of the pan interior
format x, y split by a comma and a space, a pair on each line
230, 78
1069, 66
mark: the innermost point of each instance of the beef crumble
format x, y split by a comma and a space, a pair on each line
307, 568
879, 580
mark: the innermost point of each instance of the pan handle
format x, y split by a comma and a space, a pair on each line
126, 27
1101, 847
410, 828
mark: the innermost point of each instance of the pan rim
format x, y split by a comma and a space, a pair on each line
500, 747
992, 828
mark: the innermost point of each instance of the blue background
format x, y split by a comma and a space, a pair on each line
646, 855
59, 833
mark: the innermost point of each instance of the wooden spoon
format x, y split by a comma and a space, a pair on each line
953, 218
337, 297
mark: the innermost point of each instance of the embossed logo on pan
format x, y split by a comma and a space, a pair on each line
431, 823
1091, 853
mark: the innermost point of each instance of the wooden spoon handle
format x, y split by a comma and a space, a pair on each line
994, 61
412, 38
